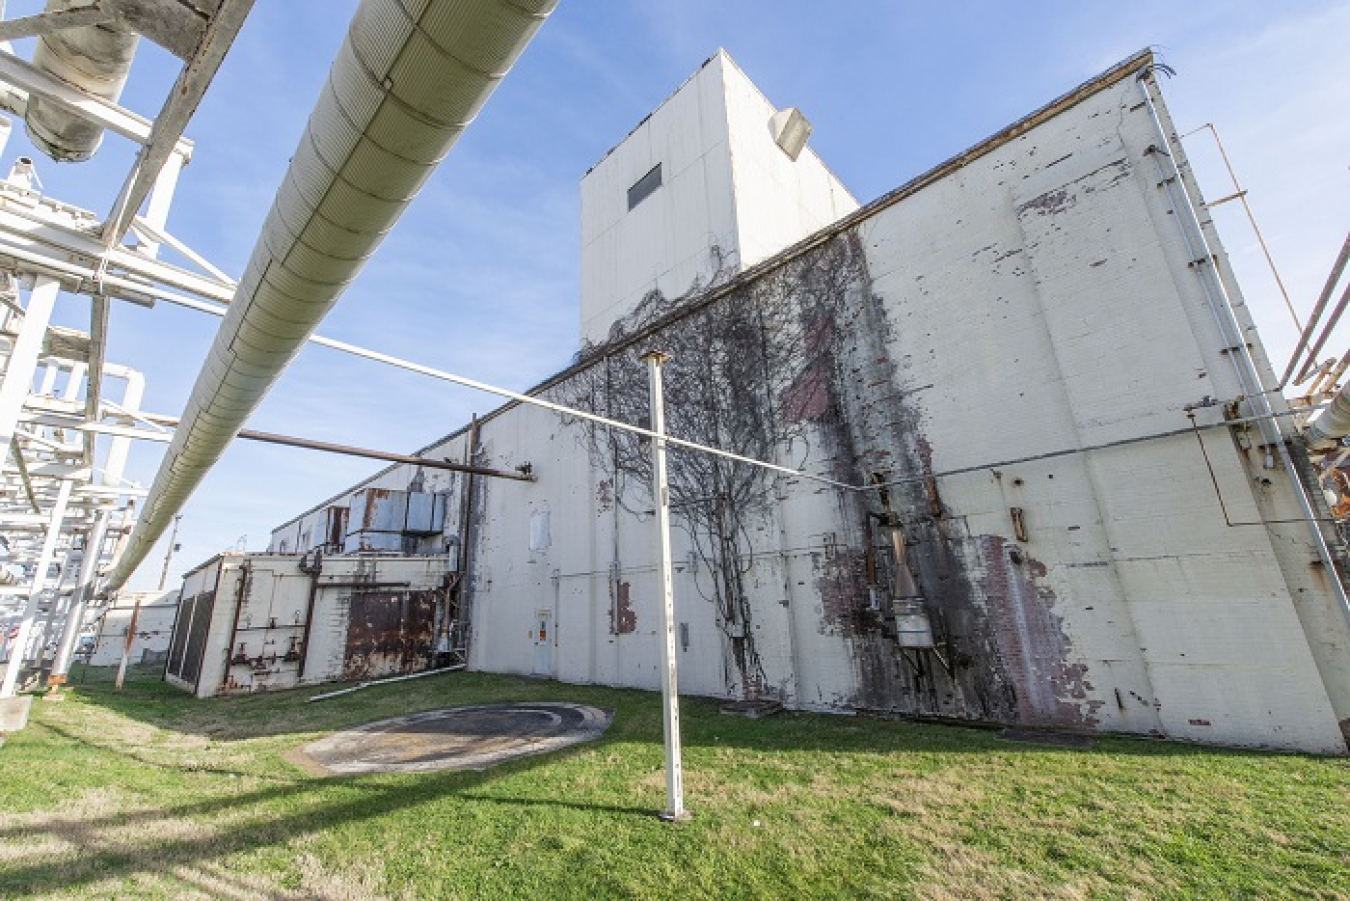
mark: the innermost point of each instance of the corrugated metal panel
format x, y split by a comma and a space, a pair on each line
194, 648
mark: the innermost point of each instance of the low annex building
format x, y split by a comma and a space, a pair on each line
256, 622
1065, 514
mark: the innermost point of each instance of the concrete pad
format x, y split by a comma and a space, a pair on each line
456, 738
14, 712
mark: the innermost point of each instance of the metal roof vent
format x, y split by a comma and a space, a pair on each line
790, 130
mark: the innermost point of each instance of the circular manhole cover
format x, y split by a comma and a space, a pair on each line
458, 738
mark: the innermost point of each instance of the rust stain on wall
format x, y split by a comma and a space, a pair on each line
840, 583
807, 397
374, 498
1032, 645
805, 358
389, 633
622, 617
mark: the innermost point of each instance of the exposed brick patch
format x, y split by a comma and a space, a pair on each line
1033, 648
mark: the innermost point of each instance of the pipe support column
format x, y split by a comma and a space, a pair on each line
65, 650
20, 645
18, 380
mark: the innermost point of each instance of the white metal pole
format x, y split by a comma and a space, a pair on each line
168, 554
20, 645
161, 197
18, 380
70, 635
670, 696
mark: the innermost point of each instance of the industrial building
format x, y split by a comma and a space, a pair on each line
255, 622
1032, 468
1002, 445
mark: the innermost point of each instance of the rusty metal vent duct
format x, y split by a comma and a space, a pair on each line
94, 58
410, 76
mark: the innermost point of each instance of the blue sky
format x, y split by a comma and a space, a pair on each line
480, 277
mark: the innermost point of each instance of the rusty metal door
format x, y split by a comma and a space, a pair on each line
543, 642
389, 633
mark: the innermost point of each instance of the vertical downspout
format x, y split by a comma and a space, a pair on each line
616, 562
313, 572
465, 563
1231, 330
239, 594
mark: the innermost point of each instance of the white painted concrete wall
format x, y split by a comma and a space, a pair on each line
154, 625
779, 201
729, 198
1025, 326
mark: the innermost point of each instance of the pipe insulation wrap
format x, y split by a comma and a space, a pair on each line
1333, 423
94, 58
410, 76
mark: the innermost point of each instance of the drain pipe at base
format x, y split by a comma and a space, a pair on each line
360, 685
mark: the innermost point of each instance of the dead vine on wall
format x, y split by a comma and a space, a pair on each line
746, 374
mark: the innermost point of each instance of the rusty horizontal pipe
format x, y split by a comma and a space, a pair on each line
353, 451
348, 450
1337, 269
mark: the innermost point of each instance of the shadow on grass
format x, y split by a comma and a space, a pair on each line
151, 839
256, 819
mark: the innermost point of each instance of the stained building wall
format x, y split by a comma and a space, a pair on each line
314, 529
257, 622
154, 626
1010, 344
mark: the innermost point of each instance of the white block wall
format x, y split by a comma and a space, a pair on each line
726, 187
1019, 328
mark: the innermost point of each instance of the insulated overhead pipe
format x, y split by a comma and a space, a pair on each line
94, 58
410, 76
1332, 424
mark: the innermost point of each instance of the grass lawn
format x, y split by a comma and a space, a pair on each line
146, 793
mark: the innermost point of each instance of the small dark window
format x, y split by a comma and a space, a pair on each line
644, 186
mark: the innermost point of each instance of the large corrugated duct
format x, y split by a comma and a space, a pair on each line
95, 58
410, 76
